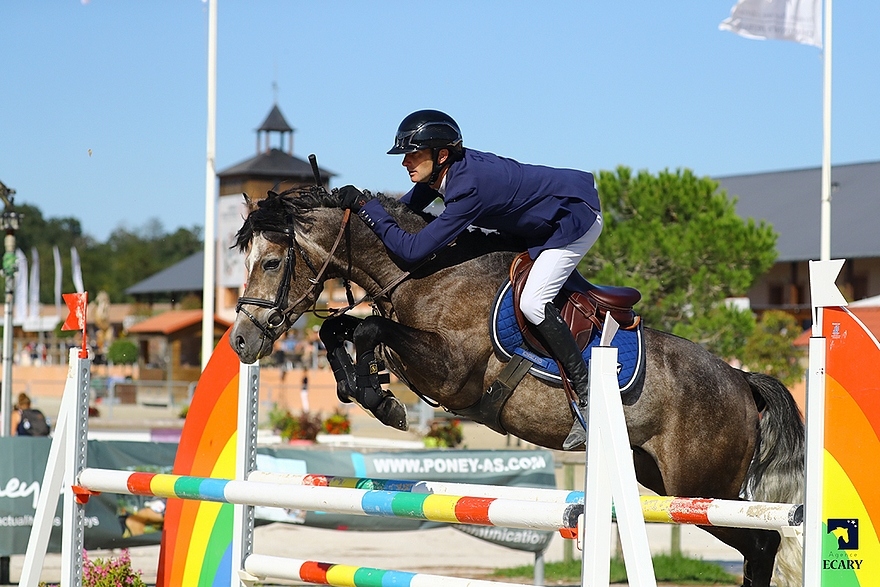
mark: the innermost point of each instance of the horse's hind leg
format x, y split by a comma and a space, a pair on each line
758, 548
371, 374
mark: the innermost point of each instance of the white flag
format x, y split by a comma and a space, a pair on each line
76, 269
34, 292
787, 20
21, 288
57, 255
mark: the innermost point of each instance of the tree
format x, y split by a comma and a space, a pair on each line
127, 257
770, 349
122, 352
679, 241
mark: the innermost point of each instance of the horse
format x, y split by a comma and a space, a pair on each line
698, 427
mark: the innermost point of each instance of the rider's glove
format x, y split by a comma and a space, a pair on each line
352, 198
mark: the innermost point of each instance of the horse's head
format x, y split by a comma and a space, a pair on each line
283, 281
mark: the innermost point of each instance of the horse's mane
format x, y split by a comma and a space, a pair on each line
279, 213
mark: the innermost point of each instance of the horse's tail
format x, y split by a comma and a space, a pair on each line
777, 470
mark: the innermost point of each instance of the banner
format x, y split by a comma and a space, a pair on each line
58, 273
34, 292
786, 20
851, 500
512, 468
231, 211
76, 270
123, 521
21, 288
21, 473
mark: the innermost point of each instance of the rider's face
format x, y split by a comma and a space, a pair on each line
419, 165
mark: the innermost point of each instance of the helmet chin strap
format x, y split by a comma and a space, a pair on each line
436, 167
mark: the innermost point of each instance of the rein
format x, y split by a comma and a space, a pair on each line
280, 310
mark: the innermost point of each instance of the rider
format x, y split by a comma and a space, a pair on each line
556, 211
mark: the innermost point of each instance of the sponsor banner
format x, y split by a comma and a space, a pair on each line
121, 521
106, 515
515, 468
851, 502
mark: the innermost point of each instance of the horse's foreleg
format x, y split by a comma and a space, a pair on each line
334, 333
370, 376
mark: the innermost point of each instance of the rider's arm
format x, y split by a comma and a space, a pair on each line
419, 197
412, 248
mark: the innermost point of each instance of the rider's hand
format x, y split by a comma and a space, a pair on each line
352, 198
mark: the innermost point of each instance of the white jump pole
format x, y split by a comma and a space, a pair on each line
67, 458
245, 464
610, 474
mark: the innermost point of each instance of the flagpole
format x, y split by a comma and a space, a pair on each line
210, 192
9, 224
825, 221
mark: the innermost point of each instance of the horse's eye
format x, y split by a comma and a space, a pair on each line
271, 264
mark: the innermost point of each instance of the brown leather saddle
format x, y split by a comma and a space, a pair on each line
581, 304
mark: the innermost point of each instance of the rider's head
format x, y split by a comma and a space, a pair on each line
431, 140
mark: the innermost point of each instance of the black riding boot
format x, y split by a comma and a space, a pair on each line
561, 343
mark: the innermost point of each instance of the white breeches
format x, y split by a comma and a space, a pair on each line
551, 269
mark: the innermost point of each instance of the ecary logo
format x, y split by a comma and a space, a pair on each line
846, 530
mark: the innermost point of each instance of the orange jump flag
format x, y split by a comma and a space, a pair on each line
78, 304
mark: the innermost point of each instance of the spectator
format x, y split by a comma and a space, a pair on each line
27, 421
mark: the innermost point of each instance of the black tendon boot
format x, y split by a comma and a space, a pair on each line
561, 343
380, 402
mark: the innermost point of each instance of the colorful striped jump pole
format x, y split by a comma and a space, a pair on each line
485, 511
667, 510
259, 567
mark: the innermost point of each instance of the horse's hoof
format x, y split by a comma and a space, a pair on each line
576, 437
342, 392
392, 413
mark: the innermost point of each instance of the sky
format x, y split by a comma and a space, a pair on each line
103, 103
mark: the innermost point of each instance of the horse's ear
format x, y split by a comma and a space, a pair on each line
251, 205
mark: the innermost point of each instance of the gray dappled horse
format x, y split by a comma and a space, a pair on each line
698, 427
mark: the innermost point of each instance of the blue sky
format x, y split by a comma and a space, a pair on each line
584, 84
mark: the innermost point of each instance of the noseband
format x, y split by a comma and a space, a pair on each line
278, 316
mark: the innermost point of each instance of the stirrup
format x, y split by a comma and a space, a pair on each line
577, 436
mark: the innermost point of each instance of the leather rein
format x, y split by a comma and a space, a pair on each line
279, 310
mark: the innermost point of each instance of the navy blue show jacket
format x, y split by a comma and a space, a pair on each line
546, 206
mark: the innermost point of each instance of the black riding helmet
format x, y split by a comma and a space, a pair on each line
429, 129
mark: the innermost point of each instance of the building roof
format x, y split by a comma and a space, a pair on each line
173, 321
791, 202
275, 122
186, 275
275, 163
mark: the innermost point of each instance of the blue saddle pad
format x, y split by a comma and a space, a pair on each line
508, 340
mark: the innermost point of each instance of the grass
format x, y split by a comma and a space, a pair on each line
670, 569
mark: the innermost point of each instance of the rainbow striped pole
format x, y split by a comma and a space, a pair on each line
667, 510
260, 567
485, 511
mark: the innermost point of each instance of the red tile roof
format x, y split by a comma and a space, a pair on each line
172, 321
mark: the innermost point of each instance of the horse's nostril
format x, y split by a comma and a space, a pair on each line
239, 341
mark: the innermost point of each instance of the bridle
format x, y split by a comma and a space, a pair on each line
279, 310
278, 316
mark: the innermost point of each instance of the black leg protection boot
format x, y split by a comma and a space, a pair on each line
380, 402
561, 343
334, 332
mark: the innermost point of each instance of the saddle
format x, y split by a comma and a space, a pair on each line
581, 304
